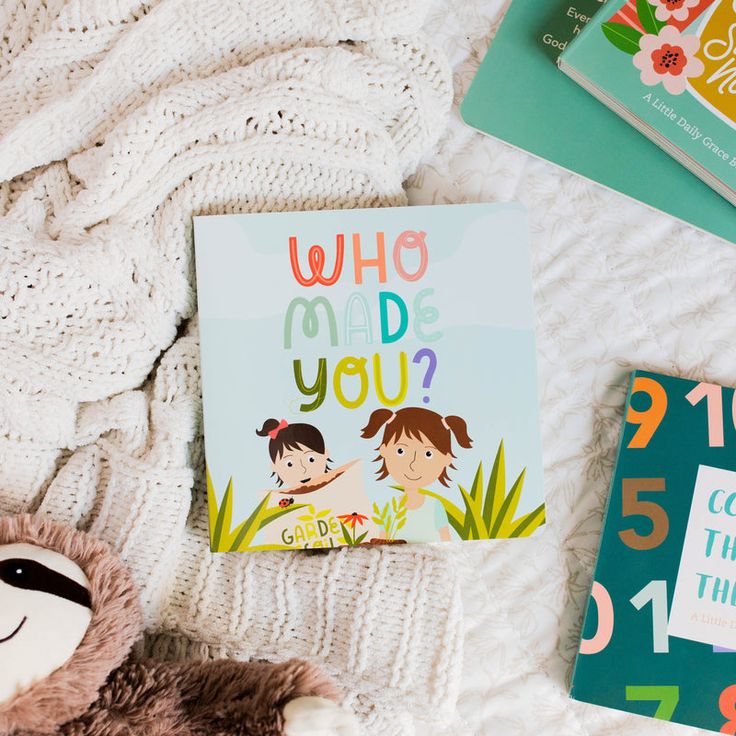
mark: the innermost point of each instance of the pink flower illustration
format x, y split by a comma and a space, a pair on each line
668, 58
677, 9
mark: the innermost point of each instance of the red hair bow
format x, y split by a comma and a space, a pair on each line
283, 424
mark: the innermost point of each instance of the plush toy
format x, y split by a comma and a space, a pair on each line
69, 615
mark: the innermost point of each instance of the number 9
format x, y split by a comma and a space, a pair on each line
650, 419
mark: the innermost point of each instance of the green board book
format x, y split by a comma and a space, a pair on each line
667, 67
659, 632
520, 96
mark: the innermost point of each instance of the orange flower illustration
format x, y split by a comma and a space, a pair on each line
352, 519
668, 58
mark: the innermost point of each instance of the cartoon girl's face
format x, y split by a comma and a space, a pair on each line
300, 466
413, 463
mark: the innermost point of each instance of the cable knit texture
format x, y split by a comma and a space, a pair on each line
118, 122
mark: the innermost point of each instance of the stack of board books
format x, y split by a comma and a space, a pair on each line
666, 67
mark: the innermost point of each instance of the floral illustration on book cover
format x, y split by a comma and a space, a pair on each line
369, 412
684, 46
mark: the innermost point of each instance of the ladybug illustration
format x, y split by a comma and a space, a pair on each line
286, 502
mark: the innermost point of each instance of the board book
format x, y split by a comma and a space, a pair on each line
369, 376
668, 68
520, 96
659, 634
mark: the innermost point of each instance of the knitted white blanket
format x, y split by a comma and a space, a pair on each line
118, 122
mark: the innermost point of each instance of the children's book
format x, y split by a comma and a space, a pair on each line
659, 636
369, 377
667, 67
520, 97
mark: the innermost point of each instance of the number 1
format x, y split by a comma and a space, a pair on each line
656, 592
714, 402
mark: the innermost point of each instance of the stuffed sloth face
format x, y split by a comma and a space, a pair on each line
45, 610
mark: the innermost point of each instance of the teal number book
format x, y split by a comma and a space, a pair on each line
520, 96
369, 377
659, 635
668, 67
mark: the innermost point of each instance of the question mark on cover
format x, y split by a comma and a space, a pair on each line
431, 368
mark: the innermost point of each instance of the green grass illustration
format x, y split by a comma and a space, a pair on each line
488, 513
223, 538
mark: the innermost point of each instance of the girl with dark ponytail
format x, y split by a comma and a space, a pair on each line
416, 451
298, 452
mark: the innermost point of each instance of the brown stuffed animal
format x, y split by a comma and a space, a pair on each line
69, 615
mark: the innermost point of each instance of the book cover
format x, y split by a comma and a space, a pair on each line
520, 97
369, 376
669, 68
659, 635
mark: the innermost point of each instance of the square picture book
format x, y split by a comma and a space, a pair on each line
659, 635
369, 377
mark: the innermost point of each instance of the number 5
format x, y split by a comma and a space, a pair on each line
632, 506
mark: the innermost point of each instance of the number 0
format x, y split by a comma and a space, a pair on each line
604, 633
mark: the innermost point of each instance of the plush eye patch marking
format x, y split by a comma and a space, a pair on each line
17, 629
32, 575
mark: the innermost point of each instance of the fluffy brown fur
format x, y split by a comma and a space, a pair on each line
95, 694
116, 624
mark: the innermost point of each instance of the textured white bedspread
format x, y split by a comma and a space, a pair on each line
617, 286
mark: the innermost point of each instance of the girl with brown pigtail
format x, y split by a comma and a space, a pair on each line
416, 451
298, 453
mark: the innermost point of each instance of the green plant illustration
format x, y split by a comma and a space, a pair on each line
223, 538
388, 521
488, 512
312, 515
628, 39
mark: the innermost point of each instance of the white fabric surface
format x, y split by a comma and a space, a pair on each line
157, 111
617, 286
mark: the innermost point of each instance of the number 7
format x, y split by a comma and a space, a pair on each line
667, 695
